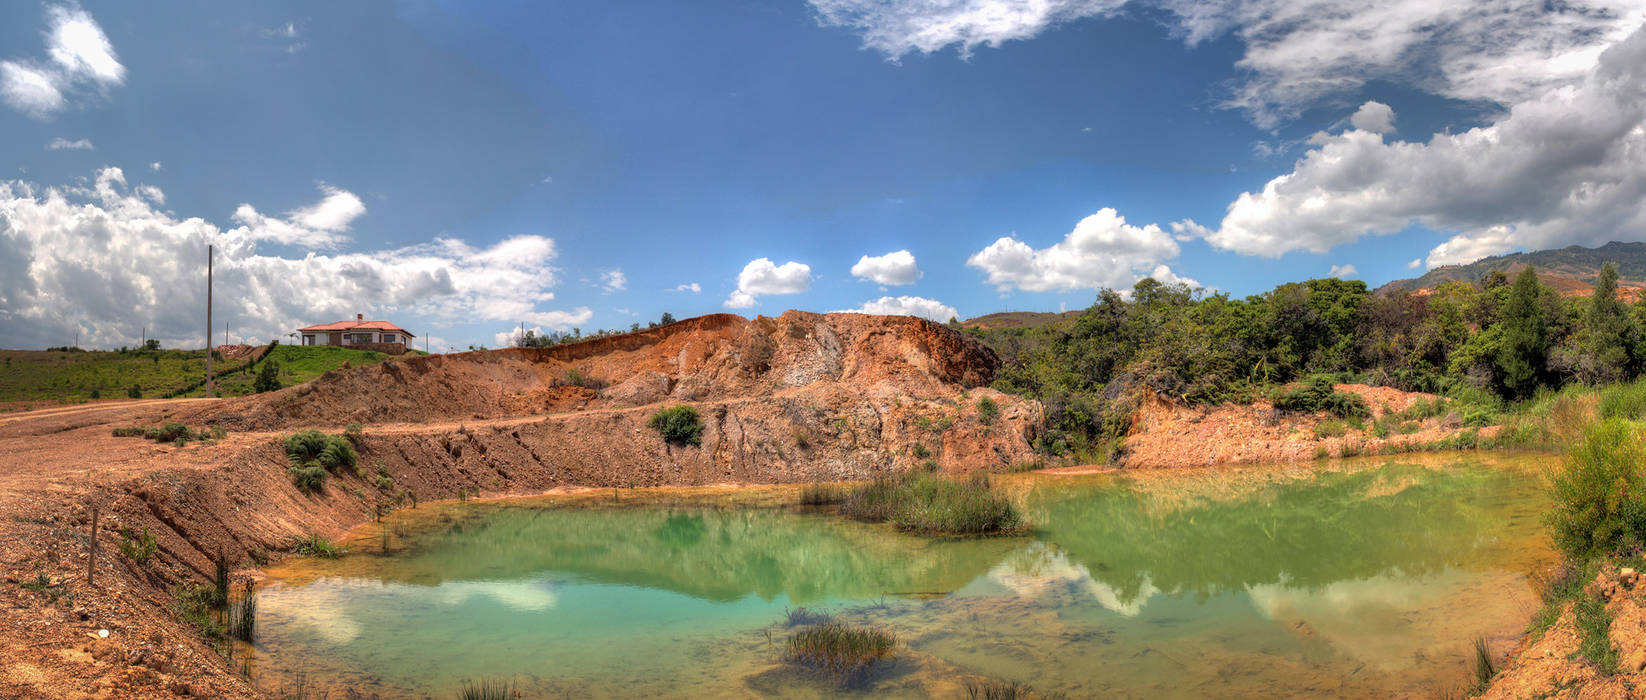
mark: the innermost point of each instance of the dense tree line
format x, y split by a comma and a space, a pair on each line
1489, 342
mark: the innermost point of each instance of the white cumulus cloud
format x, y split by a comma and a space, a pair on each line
692, 287
613, 281
1375, 117
1102, 251
105, 261
930, 309
80, 59
1296, 52
319, 225
63, 144
892, 269
1566, 167
761, 276
1343, 272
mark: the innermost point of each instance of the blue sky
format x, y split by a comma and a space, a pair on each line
464, 167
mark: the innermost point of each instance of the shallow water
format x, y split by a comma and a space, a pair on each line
1367, 578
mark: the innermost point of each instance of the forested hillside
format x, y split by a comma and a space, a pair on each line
1483, 344
1573, 270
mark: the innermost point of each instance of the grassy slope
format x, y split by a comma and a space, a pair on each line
28, 375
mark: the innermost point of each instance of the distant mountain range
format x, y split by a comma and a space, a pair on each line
1572, 271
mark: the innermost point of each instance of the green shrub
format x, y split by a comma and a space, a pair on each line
308, 478
926, 502
1318, 394
1624, 400
840, 649
1600, 494
679, 425
920, 452
1331, 429
987, 410
311, 447
136, 390
138, 548
268, 377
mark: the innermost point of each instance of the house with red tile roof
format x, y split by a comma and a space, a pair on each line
381, 336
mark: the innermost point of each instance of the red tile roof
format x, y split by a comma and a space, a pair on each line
380, 326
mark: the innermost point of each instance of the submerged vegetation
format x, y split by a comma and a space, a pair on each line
840, 649
922, 501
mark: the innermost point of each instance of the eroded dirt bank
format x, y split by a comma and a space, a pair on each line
802, 397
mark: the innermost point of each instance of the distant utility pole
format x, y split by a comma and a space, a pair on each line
210, 390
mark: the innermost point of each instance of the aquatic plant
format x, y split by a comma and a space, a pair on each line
1485, 668
840, 649
923, 501
804, 616
220, 580
315, 545
241, 618
821, 495
1002, 690
486, 689
679, 425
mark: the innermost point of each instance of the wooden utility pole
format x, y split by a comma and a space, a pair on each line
210, 390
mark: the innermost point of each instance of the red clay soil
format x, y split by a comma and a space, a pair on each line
1165, 434
799, 398
1549, 666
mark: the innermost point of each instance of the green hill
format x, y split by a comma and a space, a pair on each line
1570, 271
1018, 319
56, 375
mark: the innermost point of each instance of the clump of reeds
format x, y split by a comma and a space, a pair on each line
822, 495
805, 616
999, 690
1485, 669
241, 617
841, 649
486, 689
927, 502
314, 545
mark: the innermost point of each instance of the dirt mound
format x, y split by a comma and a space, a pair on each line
1167, 434
710, 358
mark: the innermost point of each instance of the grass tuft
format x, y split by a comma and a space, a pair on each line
840, 649
314, 545
486, 689
1485, 669
822, 495
923, 501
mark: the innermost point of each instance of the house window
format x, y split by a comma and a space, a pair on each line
388, 337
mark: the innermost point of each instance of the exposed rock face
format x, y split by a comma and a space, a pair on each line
799, 397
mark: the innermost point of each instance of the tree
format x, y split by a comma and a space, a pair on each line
151, 344
667, 319
268, 377
1603, 352
1525, 346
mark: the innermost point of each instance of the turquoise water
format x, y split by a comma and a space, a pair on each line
1368, 578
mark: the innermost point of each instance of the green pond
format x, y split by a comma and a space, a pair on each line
1357, 578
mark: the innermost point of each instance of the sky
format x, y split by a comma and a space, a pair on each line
468, 168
